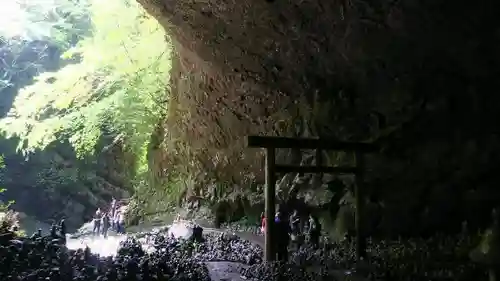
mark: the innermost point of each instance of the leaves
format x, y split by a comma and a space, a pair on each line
117, 89
4, 206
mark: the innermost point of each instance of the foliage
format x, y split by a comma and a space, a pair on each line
63, 22
4, 206
34, 31
8, 218
113, 97
117, 89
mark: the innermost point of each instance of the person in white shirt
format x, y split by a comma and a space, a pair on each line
97, 222
120, 222
116, 221
113, 211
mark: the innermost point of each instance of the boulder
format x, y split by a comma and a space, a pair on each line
185, 230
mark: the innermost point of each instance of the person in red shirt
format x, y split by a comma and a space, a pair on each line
263, 223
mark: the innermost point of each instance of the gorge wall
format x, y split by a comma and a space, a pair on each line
416, 76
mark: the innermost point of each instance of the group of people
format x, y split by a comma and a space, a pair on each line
114, 218
292, 231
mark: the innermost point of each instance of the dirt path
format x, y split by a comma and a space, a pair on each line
225, 271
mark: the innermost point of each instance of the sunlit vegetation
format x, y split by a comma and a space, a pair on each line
117, 91
4, 206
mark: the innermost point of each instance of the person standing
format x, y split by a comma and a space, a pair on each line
97, 222
121, 222
113, 211
296, 235
53, 231
105, 225
116, 221
262, 223
314, 231
62, 230
282, 233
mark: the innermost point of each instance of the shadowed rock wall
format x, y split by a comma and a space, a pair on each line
418, 76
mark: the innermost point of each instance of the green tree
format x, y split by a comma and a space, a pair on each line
117, 91
4, 206
63, 22
37, 28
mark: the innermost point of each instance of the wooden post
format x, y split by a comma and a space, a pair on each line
359, 202
270, 194
297, 158
272, 143
319, 162
319, 157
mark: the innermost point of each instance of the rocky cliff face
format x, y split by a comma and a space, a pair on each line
416, 76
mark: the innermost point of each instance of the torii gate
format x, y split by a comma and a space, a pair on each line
271, 143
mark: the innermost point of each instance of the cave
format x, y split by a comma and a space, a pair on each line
152, 102
413, 76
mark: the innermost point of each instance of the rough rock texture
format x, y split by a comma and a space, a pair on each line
417, 76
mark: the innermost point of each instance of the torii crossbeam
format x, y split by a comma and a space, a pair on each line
272, 143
